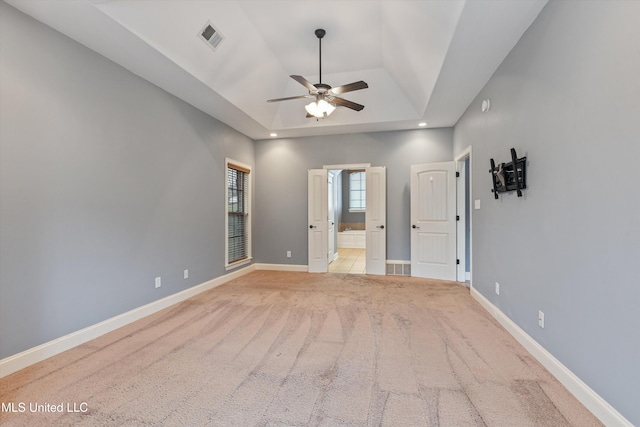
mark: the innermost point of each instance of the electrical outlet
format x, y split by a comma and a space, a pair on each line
288, 254
497, 288
541, 319
186, 274
158, 282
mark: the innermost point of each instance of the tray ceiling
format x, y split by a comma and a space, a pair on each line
423, 60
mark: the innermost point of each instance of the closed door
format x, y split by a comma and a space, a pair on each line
433, 221
317, 220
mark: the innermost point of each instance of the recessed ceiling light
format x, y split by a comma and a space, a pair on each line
422, 124
273, 134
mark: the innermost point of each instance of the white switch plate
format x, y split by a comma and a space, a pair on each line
476, 204
158, 282
497, 288
186, 274
288, 254
541, 319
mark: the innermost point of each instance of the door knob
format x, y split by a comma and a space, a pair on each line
313, 226
380, 226
414, 226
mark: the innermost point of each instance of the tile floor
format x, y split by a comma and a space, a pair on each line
351, 261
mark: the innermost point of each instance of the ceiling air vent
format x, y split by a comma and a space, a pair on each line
210, 35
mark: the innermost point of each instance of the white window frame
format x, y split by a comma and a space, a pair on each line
365, 194
249, 258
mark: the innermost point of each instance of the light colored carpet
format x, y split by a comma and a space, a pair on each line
298, 349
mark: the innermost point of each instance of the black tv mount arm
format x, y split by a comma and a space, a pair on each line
510, 176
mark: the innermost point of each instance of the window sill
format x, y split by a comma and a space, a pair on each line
238, 263
357, 210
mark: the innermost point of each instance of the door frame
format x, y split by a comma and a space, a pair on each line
461, 159
343, 167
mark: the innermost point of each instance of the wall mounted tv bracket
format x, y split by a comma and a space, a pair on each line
510, 176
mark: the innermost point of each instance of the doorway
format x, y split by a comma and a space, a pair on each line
463, 167
441, 219
433, 220
371, 191
347, 216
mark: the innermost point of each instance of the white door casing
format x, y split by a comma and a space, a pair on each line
433, 220
317, 220
461, 208
375, 220
465, 167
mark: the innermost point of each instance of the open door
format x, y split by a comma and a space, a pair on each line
331, 223
433, 220
318, 225
461, 223
375, 220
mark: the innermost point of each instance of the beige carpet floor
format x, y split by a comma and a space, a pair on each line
298, 349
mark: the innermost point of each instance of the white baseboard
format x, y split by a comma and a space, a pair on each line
37, 354
606, 413
282, 267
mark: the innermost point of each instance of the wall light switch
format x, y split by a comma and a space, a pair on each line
476, 204
497, 288
288, 254
541, 319
186, 274
158, 282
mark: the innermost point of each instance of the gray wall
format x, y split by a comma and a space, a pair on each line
106, 182
281, 187
567, 97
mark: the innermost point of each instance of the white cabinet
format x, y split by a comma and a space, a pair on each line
352, 239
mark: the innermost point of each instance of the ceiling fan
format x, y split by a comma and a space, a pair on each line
325, 99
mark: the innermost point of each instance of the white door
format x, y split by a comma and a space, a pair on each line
317, 227
375, 220
433, 220
461, 224
331, 222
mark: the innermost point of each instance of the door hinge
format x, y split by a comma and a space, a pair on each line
457, 217
457, 174
457, 262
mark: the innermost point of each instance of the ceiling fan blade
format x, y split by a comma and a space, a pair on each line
304, 82
348, 104
350, 87
289, 97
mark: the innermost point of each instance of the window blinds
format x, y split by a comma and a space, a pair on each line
238, 212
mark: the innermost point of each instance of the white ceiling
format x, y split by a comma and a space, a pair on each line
424, 60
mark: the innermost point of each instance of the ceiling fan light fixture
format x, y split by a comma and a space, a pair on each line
326, 99
320, 108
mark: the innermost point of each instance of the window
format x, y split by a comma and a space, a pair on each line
238, 224
357, 191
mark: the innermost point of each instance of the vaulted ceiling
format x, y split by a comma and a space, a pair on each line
424, 60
